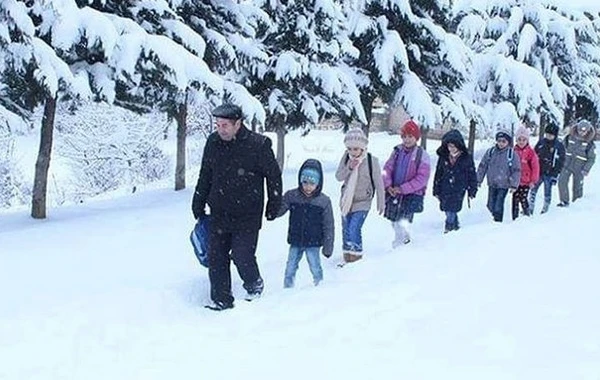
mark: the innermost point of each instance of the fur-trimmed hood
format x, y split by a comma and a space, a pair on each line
590, 133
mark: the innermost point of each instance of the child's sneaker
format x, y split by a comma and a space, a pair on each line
545, 208
563, 204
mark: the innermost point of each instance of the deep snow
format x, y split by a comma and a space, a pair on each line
110, 289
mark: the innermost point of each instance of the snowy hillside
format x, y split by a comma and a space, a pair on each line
111, 290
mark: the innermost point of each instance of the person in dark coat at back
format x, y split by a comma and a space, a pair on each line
454, 175
235, 164
551, 153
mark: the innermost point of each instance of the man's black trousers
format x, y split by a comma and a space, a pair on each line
239, 246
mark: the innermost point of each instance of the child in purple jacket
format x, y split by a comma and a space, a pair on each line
405, 177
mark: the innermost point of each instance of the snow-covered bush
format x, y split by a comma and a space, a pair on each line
13, 189
108, 148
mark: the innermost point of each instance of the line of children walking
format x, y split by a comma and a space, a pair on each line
400, 188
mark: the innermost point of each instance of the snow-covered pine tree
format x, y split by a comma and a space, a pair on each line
407, 56
38, 76
15, 57
230, 29
513, 68
305, 78
573, 42
157, 63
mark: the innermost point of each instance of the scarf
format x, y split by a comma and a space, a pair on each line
348, 197
452, 158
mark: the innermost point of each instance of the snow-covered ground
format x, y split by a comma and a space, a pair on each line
110, 289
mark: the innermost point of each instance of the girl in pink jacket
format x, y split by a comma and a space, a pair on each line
405, 177
530, 172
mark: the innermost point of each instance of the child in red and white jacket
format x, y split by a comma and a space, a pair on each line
530, 172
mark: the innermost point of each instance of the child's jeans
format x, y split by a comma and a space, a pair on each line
294, 257
495, 203
352, 231
548, 181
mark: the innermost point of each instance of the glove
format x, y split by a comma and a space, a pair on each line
512, 190
325, 253
272, 210
554, 180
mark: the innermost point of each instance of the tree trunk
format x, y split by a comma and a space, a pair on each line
280, 130
367, 103
472, 130
181, 118
543, 122
424, 134
40, 182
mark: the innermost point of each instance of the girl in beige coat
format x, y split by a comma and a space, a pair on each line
361, 173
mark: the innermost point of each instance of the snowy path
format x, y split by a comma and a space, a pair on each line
111, 290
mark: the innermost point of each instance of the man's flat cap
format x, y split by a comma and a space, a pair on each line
228, 111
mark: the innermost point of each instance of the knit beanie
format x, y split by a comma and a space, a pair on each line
310, 175
356, 138
552, 129
502, 134
522, 132
410, 128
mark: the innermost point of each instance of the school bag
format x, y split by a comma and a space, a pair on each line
199, 239
511, 153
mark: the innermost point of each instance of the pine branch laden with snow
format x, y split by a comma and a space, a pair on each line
405, 46
136, 53
234, 48
29, 67
542, 38
417, 101
305, 79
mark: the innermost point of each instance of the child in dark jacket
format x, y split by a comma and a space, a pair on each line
530, 172
311, 224
454, 175
551, 154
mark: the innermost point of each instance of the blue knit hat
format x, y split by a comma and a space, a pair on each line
310, 175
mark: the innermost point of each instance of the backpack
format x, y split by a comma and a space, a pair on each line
370, 162
511, 153
418, 157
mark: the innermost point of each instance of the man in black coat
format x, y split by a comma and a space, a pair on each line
235, 164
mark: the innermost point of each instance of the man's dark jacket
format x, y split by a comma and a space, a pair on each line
232, 178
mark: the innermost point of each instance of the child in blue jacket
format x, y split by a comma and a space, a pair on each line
311, 224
